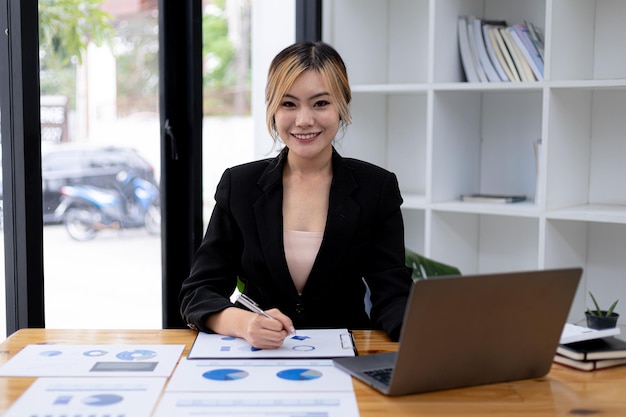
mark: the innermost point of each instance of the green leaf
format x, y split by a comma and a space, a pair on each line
595, 302
610, 310
598, 311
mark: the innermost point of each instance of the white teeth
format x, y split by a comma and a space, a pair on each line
303, 137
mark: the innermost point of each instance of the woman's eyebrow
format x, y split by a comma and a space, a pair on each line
313, 97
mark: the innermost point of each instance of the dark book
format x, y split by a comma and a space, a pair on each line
492, 198
604, 348
591, 365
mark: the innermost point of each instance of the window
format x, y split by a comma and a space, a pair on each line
102, 257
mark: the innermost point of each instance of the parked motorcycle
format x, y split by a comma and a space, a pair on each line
132, 203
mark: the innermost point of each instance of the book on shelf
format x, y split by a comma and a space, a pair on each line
481, 49
537, 38
503, 54
523, 48
467, 60
533, 55
492, 198
524, 70
573, 333
590, 365
603, 348
494, 53
474, 51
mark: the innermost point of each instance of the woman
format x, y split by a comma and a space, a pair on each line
302, 230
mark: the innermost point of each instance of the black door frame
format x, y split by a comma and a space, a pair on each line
308, 20
180, 101
21, 165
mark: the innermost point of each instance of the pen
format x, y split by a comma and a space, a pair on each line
254, 307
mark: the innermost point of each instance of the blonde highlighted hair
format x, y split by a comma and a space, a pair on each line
291, 62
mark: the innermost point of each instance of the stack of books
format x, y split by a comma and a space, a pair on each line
492, 51
587, 349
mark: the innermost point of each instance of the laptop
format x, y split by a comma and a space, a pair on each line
461, 331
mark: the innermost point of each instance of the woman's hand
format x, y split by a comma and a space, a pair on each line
265, 333
260, 331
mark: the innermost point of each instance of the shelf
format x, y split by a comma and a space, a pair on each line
521, 209
414, 114
390, 88
591, 213
613, 84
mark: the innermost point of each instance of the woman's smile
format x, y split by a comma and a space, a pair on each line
305, 137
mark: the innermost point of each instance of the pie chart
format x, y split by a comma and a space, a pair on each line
51, 353
94, 353
136, 355
225, 374
103, 399
299, 374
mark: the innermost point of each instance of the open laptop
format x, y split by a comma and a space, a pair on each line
471, 330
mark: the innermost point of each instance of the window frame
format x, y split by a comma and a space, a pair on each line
180, 102
21, 168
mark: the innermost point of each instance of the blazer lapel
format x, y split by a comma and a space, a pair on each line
269, 220
343, 214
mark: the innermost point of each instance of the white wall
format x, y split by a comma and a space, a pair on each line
273, 28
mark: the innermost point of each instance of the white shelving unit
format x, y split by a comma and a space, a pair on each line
414, 114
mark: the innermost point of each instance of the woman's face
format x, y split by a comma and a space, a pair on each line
307, 118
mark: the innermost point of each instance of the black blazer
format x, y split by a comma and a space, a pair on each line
364, 238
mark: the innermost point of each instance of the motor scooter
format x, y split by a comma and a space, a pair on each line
132, 203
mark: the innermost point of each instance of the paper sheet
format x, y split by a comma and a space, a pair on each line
255, 404
93, 360
314, 343
268, 375
575, 333
89, 397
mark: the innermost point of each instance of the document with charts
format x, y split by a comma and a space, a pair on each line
261, 404
312, 343
105, 396
267, 375
258, 387
93, 360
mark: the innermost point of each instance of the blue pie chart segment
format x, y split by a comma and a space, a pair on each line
51, 353
299, 374
103, 399
95, 353
136, 355
225, 374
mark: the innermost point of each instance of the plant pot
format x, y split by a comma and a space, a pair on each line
601, 322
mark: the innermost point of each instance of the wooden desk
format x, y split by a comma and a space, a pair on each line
564, 392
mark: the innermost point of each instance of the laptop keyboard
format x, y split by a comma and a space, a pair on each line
381, 375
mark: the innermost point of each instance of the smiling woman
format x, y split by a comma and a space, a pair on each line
307, 232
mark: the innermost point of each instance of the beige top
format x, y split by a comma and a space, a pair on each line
300, 251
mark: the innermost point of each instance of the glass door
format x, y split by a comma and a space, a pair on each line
100, 163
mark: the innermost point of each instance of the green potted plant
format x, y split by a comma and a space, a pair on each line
601, 319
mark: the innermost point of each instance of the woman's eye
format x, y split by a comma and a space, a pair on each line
288, 104
322, 103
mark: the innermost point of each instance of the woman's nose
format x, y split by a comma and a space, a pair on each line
304, 117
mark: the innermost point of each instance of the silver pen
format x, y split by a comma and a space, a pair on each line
252, 306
